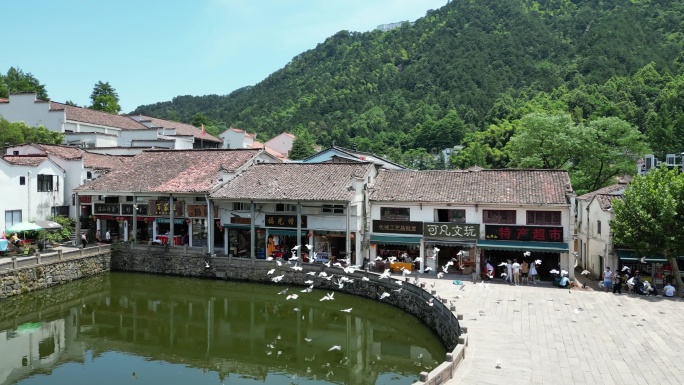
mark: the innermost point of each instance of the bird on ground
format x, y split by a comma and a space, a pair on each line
538, 262
206, 264
427, 269
269, 258
291, 296
498, 364
440, 275
527, 254
347, 310
307, 339
328, 297
384, 295
586, 272
335, 347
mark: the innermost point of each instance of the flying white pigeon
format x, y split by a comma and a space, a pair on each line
564, 272
538, 262
308, 246
440, 275
527, 254
307, 339
283, 291
270, 272
296, 248
322, 274
427, 269
643, 260
309, 282
297, 268
586, 272
384, 295
206, 264
278, 263
269, 258
365, 279
504, 275
405, 272
385, 274
291, 296
311, 273
626, 268
278, 278
335, 347
295, 309
502, 264
347, 310
554, 271
328, 297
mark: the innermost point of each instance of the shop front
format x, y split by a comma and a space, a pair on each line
545, 243
398, 239
281, 236
455, 241
654, 268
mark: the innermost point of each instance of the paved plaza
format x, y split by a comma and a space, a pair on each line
546, 335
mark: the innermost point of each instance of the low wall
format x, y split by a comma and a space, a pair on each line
412, 299
43, 272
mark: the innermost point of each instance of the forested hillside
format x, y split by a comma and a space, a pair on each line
427, 85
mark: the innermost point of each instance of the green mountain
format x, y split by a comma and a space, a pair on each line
452, 73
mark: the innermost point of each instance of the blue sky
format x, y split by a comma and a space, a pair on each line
153, 50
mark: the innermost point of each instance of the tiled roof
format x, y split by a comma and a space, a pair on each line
510, 186
616, 188
25, 160
363, 156
171, 171
3, 100
103, 162
295, 181
605, 201
86, 115
60, 150
181, 128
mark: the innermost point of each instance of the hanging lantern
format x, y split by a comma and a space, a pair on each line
309, 235
187, 221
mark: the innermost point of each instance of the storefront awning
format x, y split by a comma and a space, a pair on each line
285, 232
631, 255
449, 242
544, 247
394, 240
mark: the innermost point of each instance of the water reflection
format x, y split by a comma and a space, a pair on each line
179, 330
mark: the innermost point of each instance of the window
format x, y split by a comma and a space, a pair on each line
332, 209
112, 200
453, 216
89, 175
22, 180
15, 152
12, 217
129, 198
544, 218
395, 213
598, 227
45, 183
498, 216
285, 207
241, 206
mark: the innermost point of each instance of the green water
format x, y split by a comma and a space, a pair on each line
122, 328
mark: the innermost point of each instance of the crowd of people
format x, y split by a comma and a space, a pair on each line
634, 284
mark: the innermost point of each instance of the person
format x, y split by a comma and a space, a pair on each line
649, 289
108, 237
525, 270
533, 272
490, 270
516, 272
98, 236
509, 271
84, 240
564, 282
638, 285
668, 290
408, 259
617, 283
607, 279
15, 240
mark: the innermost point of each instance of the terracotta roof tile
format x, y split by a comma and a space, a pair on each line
103, 162
511, 186
606, 200
171, 171
60, 150
181, 128
295, 181
3, 100
86, 115
25, 160
616, 188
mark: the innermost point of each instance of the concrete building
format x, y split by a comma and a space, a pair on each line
336, 154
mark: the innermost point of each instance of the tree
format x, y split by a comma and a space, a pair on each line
17, 81
650, 217
105, 98
12, 133
302, 146
199, 119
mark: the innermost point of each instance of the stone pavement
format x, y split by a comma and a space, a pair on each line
546, 335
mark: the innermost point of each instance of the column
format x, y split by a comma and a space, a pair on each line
299, 230
347, 242
252, 231
135, 219
171, 214
225, 241
210, 226
78, 218
421, 256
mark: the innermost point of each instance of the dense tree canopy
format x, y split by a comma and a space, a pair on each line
16, 81
12, 133
104, 98
650, 217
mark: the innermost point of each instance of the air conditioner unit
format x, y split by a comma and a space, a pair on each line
649, 161
671, 159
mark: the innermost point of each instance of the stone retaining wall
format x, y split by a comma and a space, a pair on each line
411, 298
48, 274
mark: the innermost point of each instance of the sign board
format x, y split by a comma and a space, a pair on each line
398, 227
284, 221
451, 230
524, 233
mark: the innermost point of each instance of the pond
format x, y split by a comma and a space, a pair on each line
119, 328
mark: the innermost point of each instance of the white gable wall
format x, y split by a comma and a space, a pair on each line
281, 143
24, 108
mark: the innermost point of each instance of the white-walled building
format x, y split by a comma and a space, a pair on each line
281, 143
89, 128
32, 188
474, 215
236, 138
